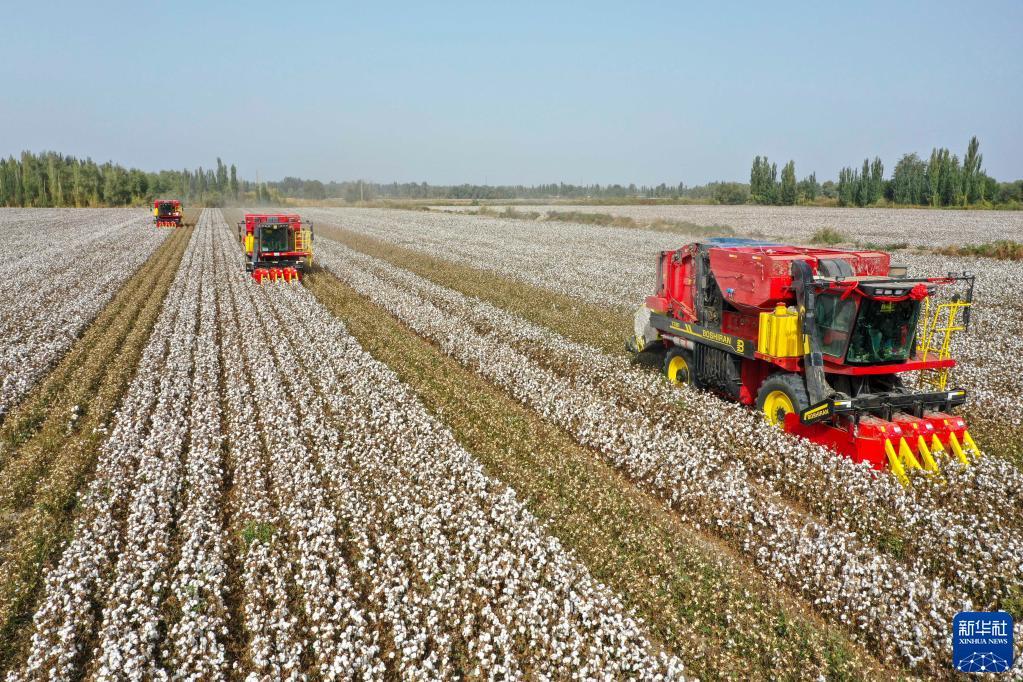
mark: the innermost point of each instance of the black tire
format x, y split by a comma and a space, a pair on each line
689, 377
792, 385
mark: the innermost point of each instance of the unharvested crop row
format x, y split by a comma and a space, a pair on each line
404, 483
50, 441
59, 269
369, 541
858, 586
877, 225
71, 613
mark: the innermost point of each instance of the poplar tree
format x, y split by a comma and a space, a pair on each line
787, 193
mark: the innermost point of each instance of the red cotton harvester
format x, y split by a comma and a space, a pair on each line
278, 246
167, 213
817, 339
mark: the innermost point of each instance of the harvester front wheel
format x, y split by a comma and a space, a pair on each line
781, 394
678, 366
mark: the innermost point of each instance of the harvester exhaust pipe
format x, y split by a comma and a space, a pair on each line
817, 386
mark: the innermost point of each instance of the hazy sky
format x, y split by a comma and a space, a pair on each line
544, 92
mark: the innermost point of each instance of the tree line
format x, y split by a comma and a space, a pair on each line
52, 179
941, 181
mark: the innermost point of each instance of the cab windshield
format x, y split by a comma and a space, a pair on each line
884, 332
835, 319
166, 208
274, 238
878, 332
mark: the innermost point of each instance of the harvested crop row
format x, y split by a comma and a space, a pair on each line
879, 599
51, 440
704, 601
924, 526
385, 549
60, 267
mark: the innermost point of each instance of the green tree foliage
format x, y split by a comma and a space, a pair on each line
809, 188
861, 188
909, 180
221, 178
52, 179
763, 181
730, 192
787, 193
973, 184
875, 188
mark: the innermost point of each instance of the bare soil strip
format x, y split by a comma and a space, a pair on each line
49, 443
699, 598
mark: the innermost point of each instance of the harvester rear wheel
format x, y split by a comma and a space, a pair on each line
678, 366
781, 394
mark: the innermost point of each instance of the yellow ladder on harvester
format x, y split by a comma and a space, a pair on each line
934, 341
304, 242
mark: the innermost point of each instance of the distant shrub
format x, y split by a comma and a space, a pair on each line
874, 246
591, 218
1003, 249
257, 531
828, 235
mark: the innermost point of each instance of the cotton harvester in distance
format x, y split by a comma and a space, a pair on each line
818, 340
167, 213
278, 246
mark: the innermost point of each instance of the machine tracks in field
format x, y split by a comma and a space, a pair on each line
51, 439
700, 598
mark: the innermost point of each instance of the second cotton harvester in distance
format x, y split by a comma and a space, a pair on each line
818, 340
278, 246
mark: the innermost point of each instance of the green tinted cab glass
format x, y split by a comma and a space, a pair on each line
884, 332
274, 238
835, 319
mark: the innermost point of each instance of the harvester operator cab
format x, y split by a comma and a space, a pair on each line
274, 237
866, 331
166, 208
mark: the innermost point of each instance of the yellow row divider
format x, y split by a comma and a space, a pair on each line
968, 442
895, 463
925, 454
958, 449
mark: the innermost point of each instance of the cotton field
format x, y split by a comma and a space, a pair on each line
876, 225
615, 267
59, 267
268, 499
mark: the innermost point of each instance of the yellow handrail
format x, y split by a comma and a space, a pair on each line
935, 338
